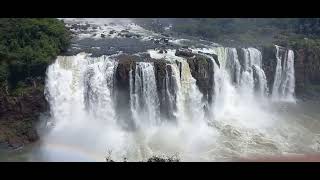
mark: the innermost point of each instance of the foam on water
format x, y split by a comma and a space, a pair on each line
243, 122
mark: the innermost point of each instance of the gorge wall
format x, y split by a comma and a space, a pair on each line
306, 67
19, 116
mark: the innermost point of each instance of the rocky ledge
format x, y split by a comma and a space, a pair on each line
19, 115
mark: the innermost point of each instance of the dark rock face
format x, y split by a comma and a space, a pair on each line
306, 65
214, 56
162, 51
307, 68
127, 34
160, 74
122, 90
165, 35
184, 53
19, 115
241, 57
299, 67
80, 26
165, 86
202, 70
256, 79
269, 64
164, 40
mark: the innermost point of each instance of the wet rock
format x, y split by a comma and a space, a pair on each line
269, 64
241, 58
80, 26
202, 70
164, 40
256, 79
126, 64
184, 53
166, 35
103, 35
214, 56
307, 68
124, 31
128, 34
165, 86
20, 113
162, 50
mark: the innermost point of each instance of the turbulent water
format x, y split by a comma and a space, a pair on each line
243, 120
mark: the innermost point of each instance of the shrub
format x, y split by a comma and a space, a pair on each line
28, 45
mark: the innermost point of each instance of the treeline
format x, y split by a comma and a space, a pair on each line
27, 46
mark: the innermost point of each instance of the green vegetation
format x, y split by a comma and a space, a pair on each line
244, 31
27, 46
238, 31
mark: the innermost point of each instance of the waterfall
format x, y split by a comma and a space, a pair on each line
98, 82
191, 96
211, 105
260, 81
169, 116
284, 79
184, 97
253, 77
143, 94
248, 74
79, 90
233, 65
289, 82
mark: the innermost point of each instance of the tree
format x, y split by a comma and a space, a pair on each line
28, 45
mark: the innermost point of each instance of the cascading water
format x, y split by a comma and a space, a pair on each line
181, 87
233, 65
253, 76
143, 94
284, 80
80, 90
260, 81
172, 89
192, 97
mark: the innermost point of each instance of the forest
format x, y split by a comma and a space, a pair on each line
28, 46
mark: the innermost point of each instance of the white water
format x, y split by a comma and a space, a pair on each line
143, 94
233, 65
253, 62
284, 79
189, 104
73, 125
83, 125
